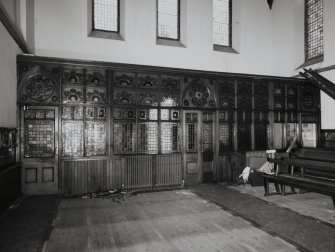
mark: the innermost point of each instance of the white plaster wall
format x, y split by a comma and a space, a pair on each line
26, 18
8, 52
263, 37
328, 105
329, 36
268, 42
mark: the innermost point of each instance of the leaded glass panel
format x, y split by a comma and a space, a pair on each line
95, 138
72, 135
153, 114
147, 138
170, 139
191, 136
165, 114
314, 28
168, 19
207, 133
67, 113
78, 113
106, 15
222, 22
39, 137
225, 137
124, 138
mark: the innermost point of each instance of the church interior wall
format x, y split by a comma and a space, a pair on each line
8, 52
263, 43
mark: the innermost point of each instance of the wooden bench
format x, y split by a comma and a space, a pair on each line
308, 169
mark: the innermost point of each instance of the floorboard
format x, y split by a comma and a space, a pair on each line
160, 221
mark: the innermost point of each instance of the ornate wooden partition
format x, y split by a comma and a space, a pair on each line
88, 126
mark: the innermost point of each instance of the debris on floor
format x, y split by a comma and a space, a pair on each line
115, 194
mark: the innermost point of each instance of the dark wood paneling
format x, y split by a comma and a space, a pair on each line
168, 172
138, 172
84, 176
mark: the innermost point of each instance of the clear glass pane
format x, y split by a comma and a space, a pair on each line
168, 19
106, 15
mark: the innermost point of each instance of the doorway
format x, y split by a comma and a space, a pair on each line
199, 147
39, 150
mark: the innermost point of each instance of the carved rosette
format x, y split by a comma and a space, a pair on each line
95, 78
38, 85
227, 102
39, 88
309, 100
96, 96
227, 86
170, 83
147, 81
198, 94
125, 98
148, 99
72, 95
72, 77
124, 80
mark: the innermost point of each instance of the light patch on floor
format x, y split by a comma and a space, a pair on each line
310, 204
159, 221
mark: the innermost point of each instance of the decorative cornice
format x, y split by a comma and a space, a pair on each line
137, 68
13, 30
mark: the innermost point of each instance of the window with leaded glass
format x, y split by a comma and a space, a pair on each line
168, 19
313, 28
151, 131
169, 126
222, 28
169, 137
106, 15
124, 137
147, 137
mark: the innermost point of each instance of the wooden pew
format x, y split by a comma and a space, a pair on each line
315, 171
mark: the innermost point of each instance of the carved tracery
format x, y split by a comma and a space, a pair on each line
198, 95
38, 85
95, 78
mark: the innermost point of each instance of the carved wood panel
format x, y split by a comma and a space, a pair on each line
38, 85
310, 97
198, 94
